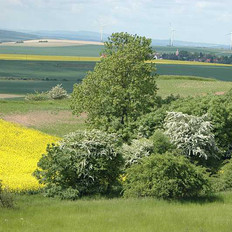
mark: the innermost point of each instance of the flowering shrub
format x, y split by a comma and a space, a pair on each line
20, 150
84, 163
136, 151
58, 92
192, 134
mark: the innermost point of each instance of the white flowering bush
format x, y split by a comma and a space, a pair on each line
136, 151
191, 134
58, 92
83, 163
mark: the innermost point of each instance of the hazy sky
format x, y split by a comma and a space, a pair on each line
194, 20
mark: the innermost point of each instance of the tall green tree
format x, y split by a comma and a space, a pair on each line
121, 87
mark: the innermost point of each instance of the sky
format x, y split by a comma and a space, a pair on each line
194, 20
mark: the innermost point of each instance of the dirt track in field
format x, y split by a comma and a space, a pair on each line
38, 118
219, 93
2, 96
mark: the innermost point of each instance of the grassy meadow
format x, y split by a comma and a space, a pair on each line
51, 117
36, 213
190, 86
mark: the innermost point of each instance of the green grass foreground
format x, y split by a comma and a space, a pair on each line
36, 213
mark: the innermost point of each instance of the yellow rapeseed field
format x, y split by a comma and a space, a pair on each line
20, 150
46, 58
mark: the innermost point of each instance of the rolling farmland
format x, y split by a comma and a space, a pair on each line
94, 50
25, 69
22, 76
83, 50
32, 57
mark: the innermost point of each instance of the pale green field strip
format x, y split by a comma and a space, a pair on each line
86, 58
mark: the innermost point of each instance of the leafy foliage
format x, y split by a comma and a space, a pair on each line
191, 134
161, 143
84, 163
166, 176
139, 47
37, 96
138, 149
122, 86
147, 124
226, 176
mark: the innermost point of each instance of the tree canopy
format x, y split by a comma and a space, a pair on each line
122, 85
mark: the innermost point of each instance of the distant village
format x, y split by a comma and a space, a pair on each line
194, 56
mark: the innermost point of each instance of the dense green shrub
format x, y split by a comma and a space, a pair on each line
84, 163
58, 92
37, 96
6, 198
226, 176
136, 151
167, 100
166, 176
148, 123
192, 134
161, 143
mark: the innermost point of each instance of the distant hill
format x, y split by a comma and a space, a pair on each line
178, 43
6, 35
11, 36
95, 36
71, 35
